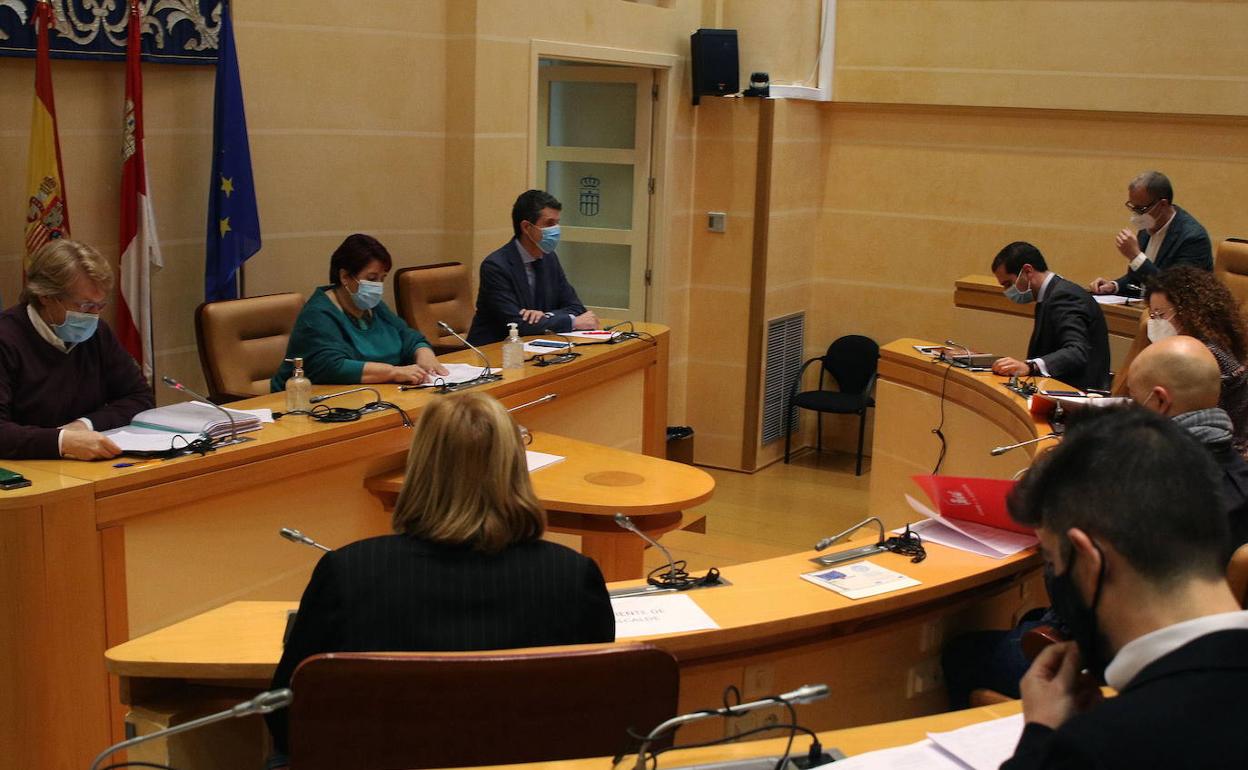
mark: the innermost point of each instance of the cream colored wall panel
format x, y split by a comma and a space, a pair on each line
1139, 56
380, 15
182, 365
507, 108
791, 248
391, 182
726, 178
797, 177
722, 259
781, 39
301, 263
883, 313
717, 325
607, 23
297, 78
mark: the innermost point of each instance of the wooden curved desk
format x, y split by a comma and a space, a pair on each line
982, 292
92, 555
583, 492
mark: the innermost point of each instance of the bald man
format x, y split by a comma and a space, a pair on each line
1179, 377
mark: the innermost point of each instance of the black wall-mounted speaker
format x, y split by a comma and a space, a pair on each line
715, 67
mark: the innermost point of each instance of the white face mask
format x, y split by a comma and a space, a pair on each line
1159, 329
1143, 221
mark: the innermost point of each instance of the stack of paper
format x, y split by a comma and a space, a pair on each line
966, 535
198, 417
860, 579
456, 374
982, 746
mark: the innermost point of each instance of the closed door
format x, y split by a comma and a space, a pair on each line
593, 154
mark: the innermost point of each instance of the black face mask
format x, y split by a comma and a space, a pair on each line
1079, 618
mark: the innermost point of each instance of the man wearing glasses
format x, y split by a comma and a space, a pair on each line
1167, 236
63, 375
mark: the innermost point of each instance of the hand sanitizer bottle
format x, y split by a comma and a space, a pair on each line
298, 389
513, 349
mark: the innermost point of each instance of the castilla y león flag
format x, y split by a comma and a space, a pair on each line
47, 216
140, 250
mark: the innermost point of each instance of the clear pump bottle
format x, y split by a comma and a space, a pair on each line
298, 389
513, 349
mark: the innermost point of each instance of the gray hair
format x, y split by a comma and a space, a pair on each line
58, 263
1156, 183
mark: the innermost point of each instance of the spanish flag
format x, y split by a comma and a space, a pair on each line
47, 216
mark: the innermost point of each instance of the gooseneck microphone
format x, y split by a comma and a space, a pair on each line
808, 693
827, 541
626, 523
176, 385
263, 703
485, 361
376, 395
544, 399
880, 546
998, 451
295, 536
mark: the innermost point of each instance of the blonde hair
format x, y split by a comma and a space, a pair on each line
467, 482
57, 264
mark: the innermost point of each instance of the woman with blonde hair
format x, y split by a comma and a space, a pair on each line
467, 568
64, 377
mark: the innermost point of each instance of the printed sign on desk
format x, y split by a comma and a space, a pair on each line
655, 615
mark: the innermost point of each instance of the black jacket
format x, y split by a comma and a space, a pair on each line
1186, 243
1069, 333
1185, 709
503, 291
400, 594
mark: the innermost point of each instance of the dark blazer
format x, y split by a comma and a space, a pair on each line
503, 292
1186, 709
1186, 243
400, 594
1069, 333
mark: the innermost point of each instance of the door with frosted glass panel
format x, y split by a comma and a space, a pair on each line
593, 155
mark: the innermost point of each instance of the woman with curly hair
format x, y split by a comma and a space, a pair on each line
1185, 300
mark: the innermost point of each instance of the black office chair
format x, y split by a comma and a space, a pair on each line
852, 361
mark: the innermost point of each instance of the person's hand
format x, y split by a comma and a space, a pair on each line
412, 374
75, 425
427, 360
1009, 366
585, 321
1102, 286
86, 444
1054, 690
532, 316
1128, 245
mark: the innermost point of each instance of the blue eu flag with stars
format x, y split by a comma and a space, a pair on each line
233, 221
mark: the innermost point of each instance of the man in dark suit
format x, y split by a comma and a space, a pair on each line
1161, 236
1137, 570
1069, 339
523, 283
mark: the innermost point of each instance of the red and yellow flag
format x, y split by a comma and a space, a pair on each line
48, 214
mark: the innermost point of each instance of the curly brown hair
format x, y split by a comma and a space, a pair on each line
1204, 308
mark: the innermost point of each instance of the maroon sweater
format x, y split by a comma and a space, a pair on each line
42, 388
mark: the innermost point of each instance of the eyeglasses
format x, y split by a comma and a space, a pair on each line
1141, 209
1164, 314
86, 307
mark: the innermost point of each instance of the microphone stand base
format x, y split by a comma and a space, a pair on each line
227, 441
484, 379
649, 590
853, 554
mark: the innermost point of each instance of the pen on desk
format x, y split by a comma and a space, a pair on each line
139, 464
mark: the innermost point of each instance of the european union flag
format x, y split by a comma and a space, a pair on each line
233, 221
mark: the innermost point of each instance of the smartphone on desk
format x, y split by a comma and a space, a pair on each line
548, 344
12, 479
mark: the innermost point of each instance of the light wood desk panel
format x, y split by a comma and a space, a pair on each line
126, 551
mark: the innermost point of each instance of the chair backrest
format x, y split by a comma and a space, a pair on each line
852, 360
242, 342
1231, 265
418, 710
1119, 387
426, 294
1237, 574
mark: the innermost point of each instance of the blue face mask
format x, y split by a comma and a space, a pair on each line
550, 239
1021, 297
78, 327
368, 295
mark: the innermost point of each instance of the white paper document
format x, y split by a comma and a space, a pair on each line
982, 746
201, 417
968, 536
1110, 299
139, 440
668, 614
538, 460
860, 579
456, 374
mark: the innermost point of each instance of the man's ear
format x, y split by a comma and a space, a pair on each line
1088, 559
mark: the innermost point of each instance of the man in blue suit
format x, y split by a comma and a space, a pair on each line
523, 283
1161, 236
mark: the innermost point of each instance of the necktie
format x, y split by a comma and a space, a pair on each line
539, 285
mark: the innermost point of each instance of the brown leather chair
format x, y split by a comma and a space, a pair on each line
1230, 264
420, 710
1237, 574
426, 294
242, 342
1119, 388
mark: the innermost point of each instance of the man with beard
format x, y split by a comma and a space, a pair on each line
1136, 570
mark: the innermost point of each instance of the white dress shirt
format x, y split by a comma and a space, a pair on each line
1137, 654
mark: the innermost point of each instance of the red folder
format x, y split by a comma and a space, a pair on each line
964, 498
